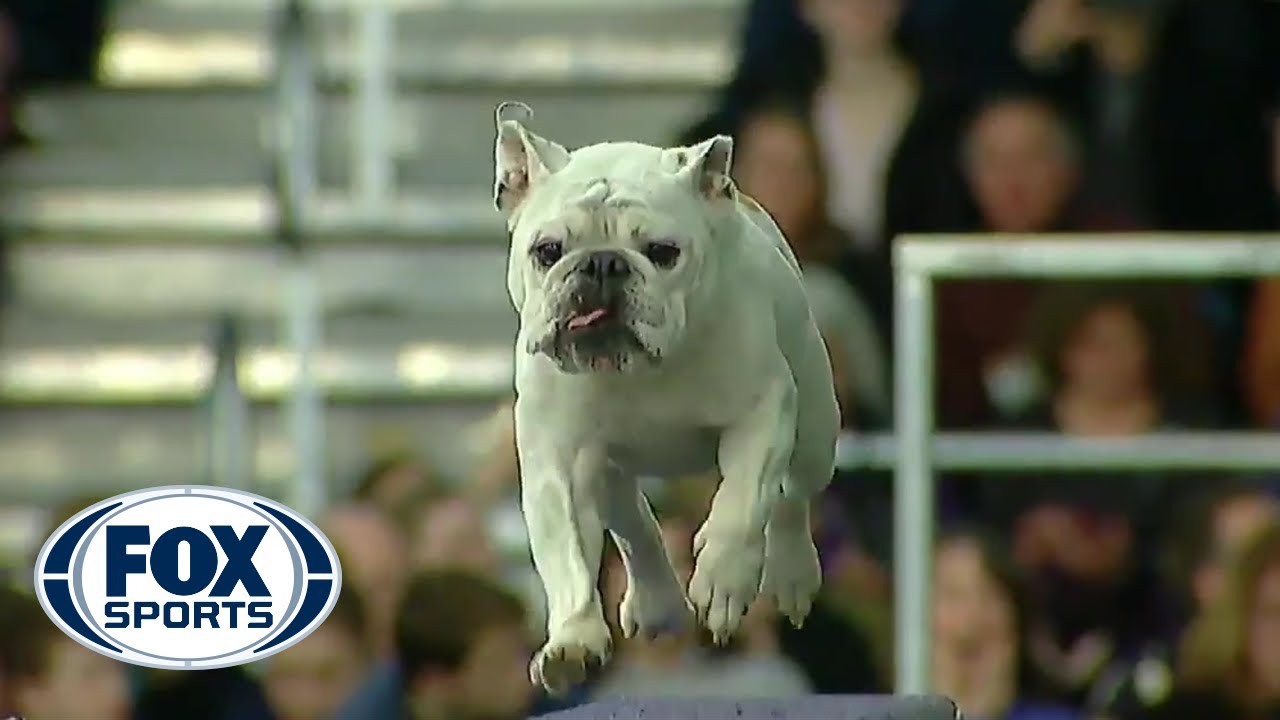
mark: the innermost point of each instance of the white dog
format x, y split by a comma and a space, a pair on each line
664, 330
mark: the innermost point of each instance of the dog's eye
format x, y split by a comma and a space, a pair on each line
548, 252
662, 254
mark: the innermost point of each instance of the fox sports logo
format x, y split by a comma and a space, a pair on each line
188, 577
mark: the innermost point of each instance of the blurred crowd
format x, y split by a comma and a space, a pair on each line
1085, 596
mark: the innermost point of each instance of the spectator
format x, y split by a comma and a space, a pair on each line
312, 679
1094, 55
777, 162
1022, 165
45, 42
462, 655
1229, 665
54, 677
13, 603
980, 624
375, 564
1262, 357
679, 665
857, 354
885, 129
222, 694
1114, 368
1177, 96
57, 41
452, 534
394, 483
1214, 524
1022, 162
1183, 83
1118, 358
1221, 519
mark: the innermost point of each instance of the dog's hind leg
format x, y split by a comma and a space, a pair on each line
654, 602
792, 574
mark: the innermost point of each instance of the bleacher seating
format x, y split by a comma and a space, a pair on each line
143, 214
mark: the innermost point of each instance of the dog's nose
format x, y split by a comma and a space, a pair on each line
605, 265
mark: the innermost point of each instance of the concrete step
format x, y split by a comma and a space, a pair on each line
96, 363
171, 43
217, 138
124, 276
132, 323
119, 323
47, 454
107, 361
186, 94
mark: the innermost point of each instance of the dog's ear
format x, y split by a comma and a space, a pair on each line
521, 158
707, 166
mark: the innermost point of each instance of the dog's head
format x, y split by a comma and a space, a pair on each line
613, 246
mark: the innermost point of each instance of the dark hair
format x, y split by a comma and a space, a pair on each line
1062, 307
779, 107
444, 613
26, 634
999, 565
783, 55
784, 108
1015, 94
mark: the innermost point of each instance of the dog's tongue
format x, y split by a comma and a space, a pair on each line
591, 318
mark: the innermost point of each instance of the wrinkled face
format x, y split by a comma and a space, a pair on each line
610, 245
613, 271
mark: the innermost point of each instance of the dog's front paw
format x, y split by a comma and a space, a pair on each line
792, 573
573, 648
653, 608
726, 579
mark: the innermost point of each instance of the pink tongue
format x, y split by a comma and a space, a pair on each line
587, 320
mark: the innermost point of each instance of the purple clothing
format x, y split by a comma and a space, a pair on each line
1038, 711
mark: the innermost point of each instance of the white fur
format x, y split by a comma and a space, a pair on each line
744, 386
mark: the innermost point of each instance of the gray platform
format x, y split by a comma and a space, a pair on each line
824, 707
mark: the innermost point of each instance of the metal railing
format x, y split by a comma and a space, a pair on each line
294, 189
372, 153
917, 451
230, 439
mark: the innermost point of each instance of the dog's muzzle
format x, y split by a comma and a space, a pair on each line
592, 329
598, 291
